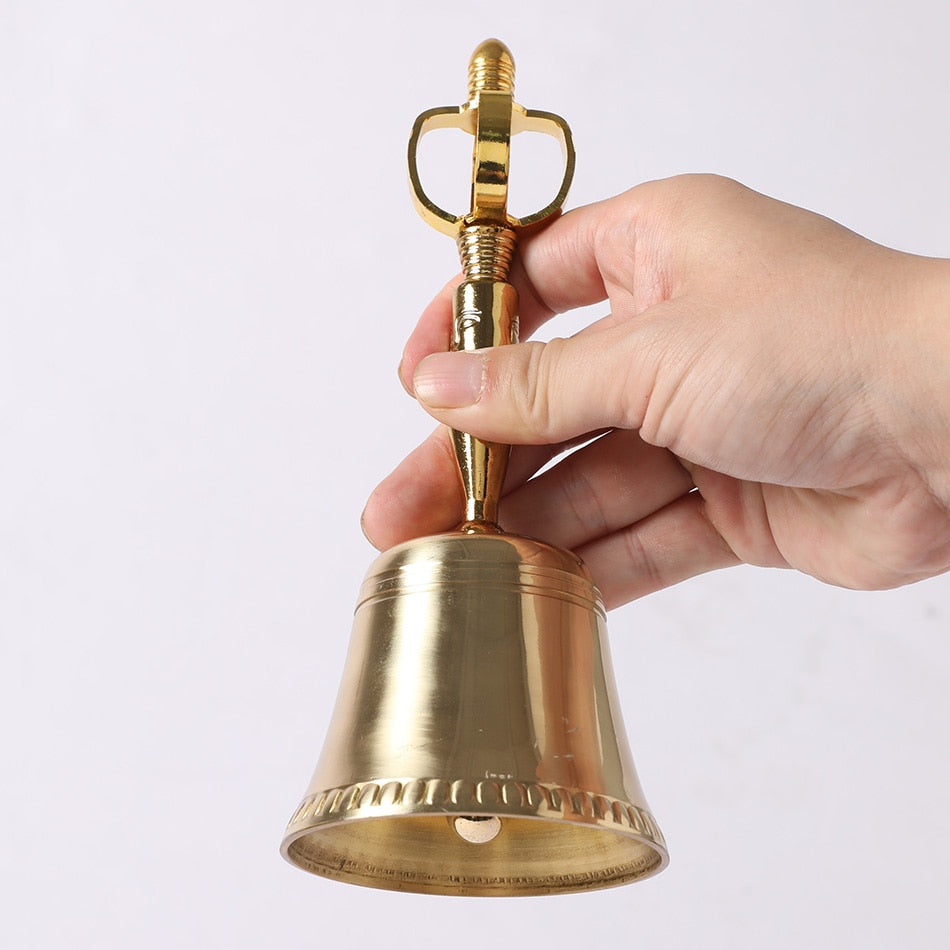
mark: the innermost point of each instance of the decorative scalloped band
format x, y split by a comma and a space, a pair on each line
388, 797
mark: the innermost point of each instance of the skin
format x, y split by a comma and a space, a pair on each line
767, 387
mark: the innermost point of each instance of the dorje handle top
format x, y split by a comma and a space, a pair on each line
486, 306
492, 116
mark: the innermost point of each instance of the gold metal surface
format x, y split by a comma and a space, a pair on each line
477, 685
485, 305
485, 314
477, 746
492, 116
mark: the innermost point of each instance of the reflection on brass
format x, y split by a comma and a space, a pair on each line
477, 746
492, 116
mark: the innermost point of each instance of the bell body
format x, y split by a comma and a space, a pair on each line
477, 747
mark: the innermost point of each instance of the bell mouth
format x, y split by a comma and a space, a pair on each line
474, 839
426, 854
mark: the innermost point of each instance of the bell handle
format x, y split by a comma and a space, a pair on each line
485, 313
485, 306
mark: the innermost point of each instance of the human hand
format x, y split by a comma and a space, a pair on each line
768, 386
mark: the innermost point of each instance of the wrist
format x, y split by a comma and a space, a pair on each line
922, 372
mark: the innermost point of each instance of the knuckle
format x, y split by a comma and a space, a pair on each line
537, 403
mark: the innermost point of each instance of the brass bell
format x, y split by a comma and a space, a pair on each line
477, 746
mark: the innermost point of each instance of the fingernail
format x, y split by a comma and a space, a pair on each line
363, 528
366, 507
449, 380
406, 384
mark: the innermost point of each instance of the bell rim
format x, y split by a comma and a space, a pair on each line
502, 795
347, 808
413, 798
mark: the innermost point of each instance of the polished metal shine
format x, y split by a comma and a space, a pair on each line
477, 746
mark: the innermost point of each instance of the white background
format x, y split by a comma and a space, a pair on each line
208, 265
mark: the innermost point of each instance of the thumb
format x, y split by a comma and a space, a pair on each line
534, 393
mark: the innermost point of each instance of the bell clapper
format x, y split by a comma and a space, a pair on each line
477, 829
